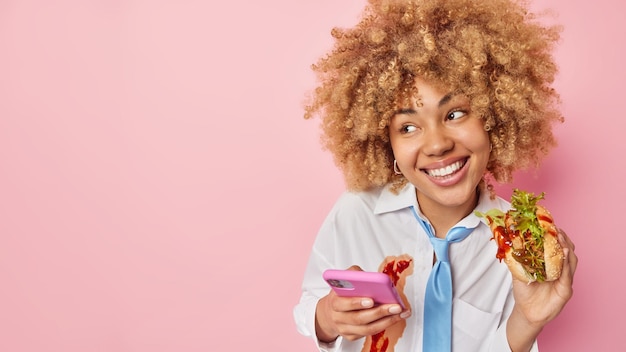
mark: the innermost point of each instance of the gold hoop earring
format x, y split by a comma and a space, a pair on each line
395, 168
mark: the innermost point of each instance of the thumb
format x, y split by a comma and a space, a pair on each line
355, 268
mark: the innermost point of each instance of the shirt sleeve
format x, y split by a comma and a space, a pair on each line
500, 342
314, 288
304, 315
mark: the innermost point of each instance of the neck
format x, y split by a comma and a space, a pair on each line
443, 218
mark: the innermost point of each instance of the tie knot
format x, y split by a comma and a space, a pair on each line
441, 246
458, 234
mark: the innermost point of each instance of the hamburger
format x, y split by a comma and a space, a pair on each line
526, 237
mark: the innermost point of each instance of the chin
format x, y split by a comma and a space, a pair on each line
451, 197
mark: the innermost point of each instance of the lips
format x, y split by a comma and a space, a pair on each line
446, 170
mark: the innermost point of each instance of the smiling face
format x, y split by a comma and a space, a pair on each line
442, 149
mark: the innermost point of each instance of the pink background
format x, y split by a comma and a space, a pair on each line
160, 191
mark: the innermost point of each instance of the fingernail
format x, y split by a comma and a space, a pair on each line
395, 309
367, 303
406, 314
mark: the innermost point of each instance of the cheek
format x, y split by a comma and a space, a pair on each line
479, 144
476, 138
403, 149
395, 148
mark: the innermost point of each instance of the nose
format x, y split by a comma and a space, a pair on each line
437, 141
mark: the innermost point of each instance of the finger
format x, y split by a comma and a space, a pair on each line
349, 304
354, 304
570, 261
360, 313
355, 268
369, 322
570, 255
378, 325
564, 240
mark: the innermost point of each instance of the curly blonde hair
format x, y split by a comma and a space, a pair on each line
493, 51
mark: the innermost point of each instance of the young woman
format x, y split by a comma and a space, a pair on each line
422, 103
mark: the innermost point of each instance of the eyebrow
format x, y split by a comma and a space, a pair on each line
405, 111
446, 99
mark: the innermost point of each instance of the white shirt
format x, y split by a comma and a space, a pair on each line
365, 228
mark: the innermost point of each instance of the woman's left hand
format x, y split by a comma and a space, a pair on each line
540, 302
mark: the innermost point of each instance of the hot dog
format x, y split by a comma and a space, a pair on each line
527, 238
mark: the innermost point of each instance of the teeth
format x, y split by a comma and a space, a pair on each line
445, 171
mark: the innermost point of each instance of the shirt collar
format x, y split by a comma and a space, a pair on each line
406, 198
389, 201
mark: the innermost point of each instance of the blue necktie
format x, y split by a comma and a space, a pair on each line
438, 300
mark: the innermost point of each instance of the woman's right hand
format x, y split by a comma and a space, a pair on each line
353, 317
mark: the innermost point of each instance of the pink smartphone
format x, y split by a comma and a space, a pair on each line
374, 285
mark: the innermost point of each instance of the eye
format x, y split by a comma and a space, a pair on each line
455, 115
407, 129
